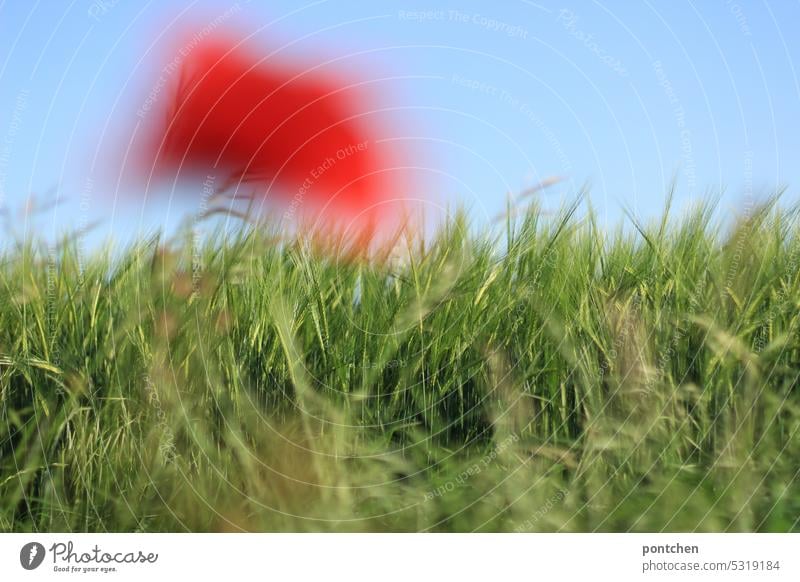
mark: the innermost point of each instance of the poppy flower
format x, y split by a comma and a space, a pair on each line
302, 135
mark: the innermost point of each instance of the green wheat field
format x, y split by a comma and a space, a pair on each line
545, 374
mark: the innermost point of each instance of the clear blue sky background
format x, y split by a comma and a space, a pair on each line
623, 95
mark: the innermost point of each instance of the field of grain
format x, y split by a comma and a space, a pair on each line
547, 375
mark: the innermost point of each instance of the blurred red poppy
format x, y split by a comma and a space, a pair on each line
302, 135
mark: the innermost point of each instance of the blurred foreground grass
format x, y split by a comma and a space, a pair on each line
551, 378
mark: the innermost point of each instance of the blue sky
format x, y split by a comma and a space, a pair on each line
623, 95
